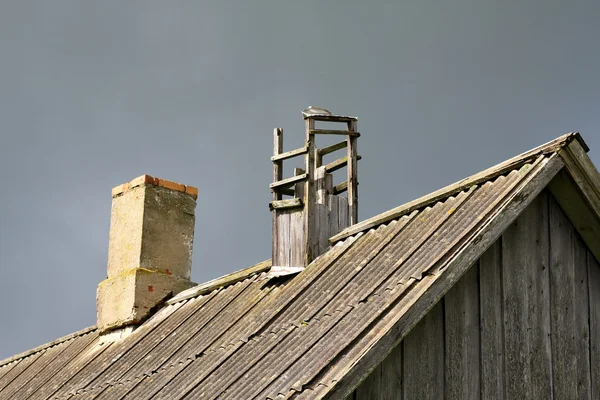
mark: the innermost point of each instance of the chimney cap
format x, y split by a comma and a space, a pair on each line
150, 180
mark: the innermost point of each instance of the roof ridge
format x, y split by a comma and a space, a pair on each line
45, 346
447, 191
222, 281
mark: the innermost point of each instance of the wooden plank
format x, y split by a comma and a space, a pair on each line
332, 132
309, 195
562, 280
288, 203
277, 166
491, 322
582, 319
334, 147
288, 181
594, 302
332, 118
435, 286
343, 213
423, 364
352, 177
338, 164
370, 389
281, 257
297, 238
459, 186
289, 154
333, 223
572, 201
341, 188
461, 308
391, 375
321, 186
535, 219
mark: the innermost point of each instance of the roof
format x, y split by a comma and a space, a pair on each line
316, 334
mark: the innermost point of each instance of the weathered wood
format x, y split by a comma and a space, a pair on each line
289, 154
309, 191
321, 186
434, 287
423, 363
299, 188
297, 238
277, 166
334, 223
391, 375
594, 296
491, 323
332, 132
288, 181
288, 203
562, 279
343, 213
459, 186
334, 147
584, 173
341, 188
461, 307
332, 118
281, 256
582, 319
535, 262
352, 178
338, 164
370, 389
571, 200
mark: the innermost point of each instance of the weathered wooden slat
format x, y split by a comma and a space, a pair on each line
594, 295
289, 154
287, 203
288, 182
341, 188
434, 287
371, 387
310, 191
297, 238
332, 132
281, 256
338, 164
491, 323
423, 365
343, 213
584, 173
562, 279
535, 257
334, 224
332, 118
459, 186
277, 166
582, 319
571, 200
352, 178
391, 375
461, 306
334, 147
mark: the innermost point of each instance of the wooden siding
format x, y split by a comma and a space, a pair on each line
524, 322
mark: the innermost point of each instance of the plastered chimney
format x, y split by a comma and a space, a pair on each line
149, 251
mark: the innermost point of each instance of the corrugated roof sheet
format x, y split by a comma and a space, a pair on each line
260, 338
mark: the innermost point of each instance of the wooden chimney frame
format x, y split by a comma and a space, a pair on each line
303, 224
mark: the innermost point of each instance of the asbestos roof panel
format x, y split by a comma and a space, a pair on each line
258, 337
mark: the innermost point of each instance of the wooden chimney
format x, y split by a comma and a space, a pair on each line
308, 208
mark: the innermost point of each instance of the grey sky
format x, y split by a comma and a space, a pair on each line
93, 94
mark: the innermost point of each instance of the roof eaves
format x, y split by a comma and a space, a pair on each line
47, 345
220, 282
490, 173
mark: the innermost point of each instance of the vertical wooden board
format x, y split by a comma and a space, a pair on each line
321, 229
461, 309
514, 302
423, 363
297, 235
391, 375
343, 213
370, 388
491, 323
594, 296
562, 280
582, 326
281, 256
535, 221
333, 215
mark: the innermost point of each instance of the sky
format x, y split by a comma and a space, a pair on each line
94, 94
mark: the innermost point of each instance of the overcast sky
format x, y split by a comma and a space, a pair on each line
95, 93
